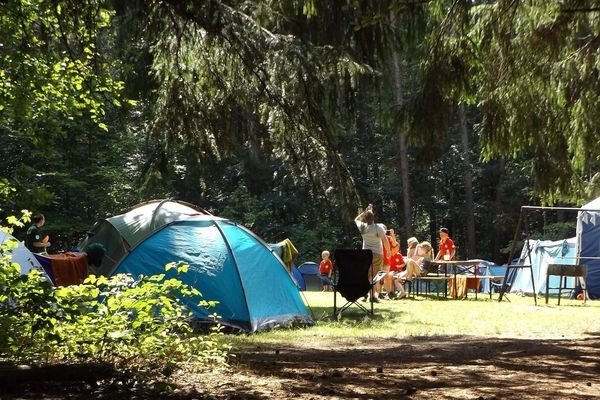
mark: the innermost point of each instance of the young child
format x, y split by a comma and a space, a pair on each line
326, 269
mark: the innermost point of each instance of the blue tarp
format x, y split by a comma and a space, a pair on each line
588, 243
227, 263
544, 252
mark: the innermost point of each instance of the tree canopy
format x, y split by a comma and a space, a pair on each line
288, 115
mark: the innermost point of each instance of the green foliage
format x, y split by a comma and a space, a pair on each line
247, 210
312, 237
285, 115
5, 189
60, 92
533, 67
27, 313
51, 68
284, 100
138, 325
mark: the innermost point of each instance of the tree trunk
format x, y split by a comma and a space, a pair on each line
468, 179
404, 172
364, 133
498, 226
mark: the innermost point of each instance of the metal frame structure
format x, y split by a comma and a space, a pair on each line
523, 218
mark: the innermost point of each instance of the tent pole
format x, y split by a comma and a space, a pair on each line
152, 220
529, 255
510, 255
237, 266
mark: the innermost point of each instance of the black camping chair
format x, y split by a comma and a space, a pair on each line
352, 268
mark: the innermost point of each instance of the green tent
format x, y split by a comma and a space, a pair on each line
120, 233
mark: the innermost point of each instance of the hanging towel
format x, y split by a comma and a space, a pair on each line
69, 268
463, 283
289, 253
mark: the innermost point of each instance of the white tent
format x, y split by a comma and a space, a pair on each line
22, 256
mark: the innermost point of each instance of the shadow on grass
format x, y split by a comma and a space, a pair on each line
352, 313
382, 311
376, 368
453, 367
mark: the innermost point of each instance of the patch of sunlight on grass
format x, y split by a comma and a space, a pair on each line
438, 316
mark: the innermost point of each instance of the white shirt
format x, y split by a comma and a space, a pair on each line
371, 235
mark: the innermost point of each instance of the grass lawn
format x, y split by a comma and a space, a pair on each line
519, 318
424, 349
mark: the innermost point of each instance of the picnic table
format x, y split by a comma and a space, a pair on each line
460, 276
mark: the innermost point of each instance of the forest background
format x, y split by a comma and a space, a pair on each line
288, 115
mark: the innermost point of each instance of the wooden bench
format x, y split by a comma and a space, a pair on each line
428, 279
432, 278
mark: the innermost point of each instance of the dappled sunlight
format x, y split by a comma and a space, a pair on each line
436, 366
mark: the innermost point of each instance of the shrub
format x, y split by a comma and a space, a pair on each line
138, 325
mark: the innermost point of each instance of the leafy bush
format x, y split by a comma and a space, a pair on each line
138, 325
27, 311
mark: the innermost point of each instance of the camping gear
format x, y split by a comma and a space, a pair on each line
352, 267
227, 263
584, 249
22, 256
120, 233
543, 253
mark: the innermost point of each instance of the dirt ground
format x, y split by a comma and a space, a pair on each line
457, 367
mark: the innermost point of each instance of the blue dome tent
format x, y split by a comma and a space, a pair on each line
311, 276
228, 264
